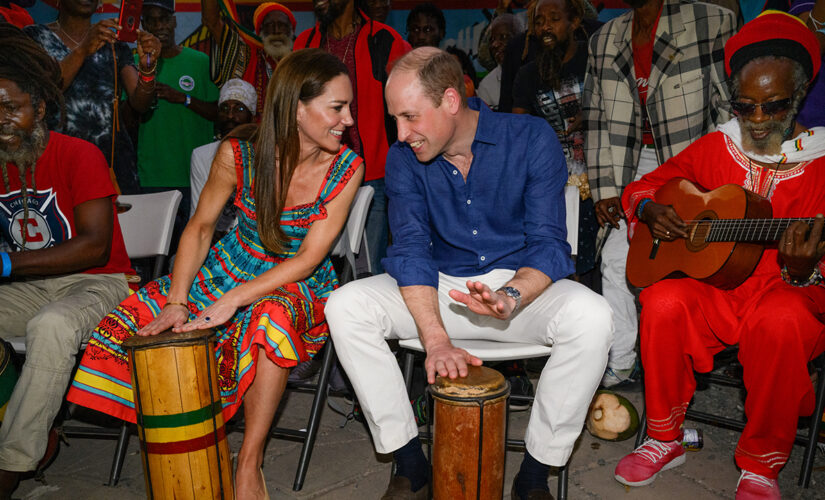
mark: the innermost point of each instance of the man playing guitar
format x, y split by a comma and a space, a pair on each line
776, 315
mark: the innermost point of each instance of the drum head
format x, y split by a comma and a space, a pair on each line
168, 337
480, 383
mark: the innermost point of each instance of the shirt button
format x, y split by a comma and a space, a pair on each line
455, 172
475, 232
483, 258
468, 202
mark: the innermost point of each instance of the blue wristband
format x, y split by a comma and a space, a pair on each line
6, 260
640, 208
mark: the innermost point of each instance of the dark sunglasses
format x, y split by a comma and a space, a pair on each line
768, 108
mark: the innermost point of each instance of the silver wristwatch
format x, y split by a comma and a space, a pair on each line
513, 293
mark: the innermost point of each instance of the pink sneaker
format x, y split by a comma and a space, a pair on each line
755, 487
643, 464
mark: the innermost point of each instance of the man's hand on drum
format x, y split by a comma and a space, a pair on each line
172, 315
801, 247
218, 313
609, 211
482, 300
664, 223
448, 361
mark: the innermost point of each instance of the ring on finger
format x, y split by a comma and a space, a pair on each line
207, 319
611, 209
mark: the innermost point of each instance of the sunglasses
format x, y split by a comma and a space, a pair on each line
768, 108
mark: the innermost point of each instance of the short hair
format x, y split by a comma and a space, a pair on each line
428, 9
510, 20
436, 70
32, 69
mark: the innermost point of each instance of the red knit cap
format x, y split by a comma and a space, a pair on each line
266, 8
773, 33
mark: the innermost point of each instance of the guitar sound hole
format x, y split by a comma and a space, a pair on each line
698, 231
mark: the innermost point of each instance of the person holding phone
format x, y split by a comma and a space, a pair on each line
88, 54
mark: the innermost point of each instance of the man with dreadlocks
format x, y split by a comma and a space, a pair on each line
551, 87
66, 266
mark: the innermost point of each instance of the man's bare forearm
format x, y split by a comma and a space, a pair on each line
422, 302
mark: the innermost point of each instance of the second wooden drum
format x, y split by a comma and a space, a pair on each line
470, 435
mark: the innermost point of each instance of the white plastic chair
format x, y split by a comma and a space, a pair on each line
488, 350
147, 226
352, 237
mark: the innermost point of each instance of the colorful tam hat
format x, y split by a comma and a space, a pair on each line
773, 33
267, 7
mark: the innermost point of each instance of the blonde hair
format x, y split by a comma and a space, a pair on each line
436, 70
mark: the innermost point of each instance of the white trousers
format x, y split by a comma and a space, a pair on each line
614, 282
572, 319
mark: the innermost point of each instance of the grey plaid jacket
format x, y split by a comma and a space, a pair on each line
687, 94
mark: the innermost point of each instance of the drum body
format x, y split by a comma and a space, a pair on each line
470, 416
180, 422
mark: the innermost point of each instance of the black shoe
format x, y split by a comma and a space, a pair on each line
531, 495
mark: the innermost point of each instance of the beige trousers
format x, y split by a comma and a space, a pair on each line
56, 315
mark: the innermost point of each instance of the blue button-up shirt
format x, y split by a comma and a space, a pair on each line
508, 214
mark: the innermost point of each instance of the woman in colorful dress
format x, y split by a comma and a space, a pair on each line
263, 286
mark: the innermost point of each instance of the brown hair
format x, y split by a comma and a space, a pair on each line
300, 76
436, 70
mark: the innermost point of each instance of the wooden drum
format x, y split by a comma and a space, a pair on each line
180, 422
470, 416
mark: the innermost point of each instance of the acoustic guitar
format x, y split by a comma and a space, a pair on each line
728, 228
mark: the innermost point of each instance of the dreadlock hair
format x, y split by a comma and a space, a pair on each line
27, 64
576, 9
24, 62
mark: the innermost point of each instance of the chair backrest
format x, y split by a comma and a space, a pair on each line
350, 238
147, 225
571, 202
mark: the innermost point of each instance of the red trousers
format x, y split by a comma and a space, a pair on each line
779, 329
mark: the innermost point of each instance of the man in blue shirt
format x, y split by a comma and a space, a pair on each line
476, 209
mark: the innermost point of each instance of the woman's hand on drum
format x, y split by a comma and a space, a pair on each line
172, 316
218, 313
448, 361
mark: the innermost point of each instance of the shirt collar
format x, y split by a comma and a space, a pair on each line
486, 130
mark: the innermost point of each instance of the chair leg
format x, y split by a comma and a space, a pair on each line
813, 428
642, 433
160, 264
314, 416
561, 494
409, 359
120, 454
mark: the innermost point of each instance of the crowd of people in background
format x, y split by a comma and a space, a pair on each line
628, 104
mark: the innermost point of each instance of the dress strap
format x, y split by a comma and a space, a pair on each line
344, 166
244, 172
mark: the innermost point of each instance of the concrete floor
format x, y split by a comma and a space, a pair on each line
344, 465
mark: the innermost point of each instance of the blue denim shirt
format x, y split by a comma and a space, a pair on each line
509, 213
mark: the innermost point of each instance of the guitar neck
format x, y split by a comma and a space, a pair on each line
761, 230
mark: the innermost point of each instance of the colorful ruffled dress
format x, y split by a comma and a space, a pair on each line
289, 323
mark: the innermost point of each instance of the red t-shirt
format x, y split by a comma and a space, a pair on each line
70, 171
642, 61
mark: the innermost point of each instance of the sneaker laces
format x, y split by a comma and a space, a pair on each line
756, 478
653, 450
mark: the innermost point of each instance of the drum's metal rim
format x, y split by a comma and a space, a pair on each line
169, 338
